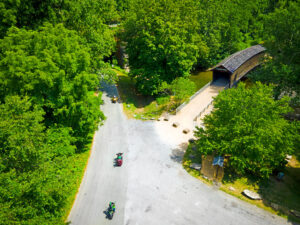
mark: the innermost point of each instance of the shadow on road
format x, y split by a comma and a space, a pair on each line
178, 153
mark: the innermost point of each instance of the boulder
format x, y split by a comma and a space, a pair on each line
166, 118
176, 124
195, 166
252, 195
186, 130
205, 177
231, 188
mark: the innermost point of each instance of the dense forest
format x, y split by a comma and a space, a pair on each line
53, 55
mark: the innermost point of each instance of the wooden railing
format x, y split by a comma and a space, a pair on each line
206, 107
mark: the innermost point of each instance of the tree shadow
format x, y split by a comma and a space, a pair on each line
178, 153
109, 89
280, 195
283, 195
230, 176
130, 95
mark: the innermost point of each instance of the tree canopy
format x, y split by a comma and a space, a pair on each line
31, 192
89, 18
48, 109
53, 67
166, 39
247, 124
162, 42
282, 65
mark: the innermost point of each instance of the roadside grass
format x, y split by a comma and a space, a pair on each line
74, 171
278, 197
139, 106
143, 107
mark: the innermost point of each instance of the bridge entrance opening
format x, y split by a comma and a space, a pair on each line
221, 76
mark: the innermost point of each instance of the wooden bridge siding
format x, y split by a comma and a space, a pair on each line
245, 68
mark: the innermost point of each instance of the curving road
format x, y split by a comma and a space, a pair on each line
151, 188
102, 181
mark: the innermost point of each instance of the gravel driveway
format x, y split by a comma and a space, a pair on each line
151, 188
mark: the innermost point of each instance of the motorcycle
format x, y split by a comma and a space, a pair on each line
119, 159
110, 211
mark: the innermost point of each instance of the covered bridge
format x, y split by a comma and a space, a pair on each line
234, 67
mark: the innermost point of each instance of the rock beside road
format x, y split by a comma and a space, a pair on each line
196, 166
252, 195
231, 188
186, 130
166, 118
176, 124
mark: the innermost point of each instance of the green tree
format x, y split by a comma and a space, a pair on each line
33, 164
247, 124
162, 42
53, 67
227, 26
21, 134
123, 6
89, 18
181, 88
282, 65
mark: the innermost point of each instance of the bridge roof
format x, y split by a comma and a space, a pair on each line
234, 61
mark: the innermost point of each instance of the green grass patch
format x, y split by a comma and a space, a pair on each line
163, 100
74, 171
139, 106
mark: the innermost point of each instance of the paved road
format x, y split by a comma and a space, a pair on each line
102, 181
151, 188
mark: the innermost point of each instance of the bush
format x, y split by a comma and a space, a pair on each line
162, 100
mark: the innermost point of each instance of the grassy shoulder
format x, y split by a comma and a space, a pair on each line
74, 171
278, 197
143, 107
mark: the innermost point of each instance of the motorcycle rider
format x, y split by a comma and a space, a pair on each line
119, 156
112, 206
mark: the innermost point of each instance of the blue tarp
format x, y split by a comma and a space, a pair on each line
219, 160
